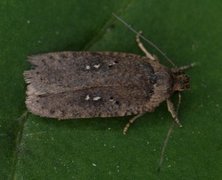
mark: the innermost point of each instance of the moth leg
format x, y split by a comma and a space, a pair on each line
173, 112
179, 102
183, 68
131, 121
141, 46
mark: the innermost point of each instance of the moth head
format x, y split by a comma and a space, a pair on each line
181, 81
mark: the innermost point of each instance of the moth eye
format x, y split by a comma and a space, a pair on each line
37, 72
116, 61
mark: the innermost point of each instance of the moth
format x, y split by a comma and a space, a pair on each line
70, 85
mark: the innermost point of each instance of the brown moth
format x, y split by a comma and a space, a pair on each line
70, 85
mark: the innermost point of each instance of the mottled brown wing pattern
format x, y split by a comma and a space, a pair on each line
89, 84
92, 102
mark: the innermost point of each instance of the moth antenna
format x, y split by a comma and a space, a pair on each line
165, 143
145, 39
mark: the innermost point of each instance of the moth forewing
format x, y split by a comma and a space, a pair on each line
74, 85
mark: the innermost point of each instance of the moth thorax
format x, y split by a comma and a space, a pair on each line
181, 82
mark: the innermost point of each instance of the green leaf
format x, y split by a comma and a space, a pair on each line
39, 148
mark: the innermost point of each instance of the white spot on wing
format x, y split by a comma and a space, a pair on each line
87, 97
112, 63
96, 66
87, 67
96, 98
